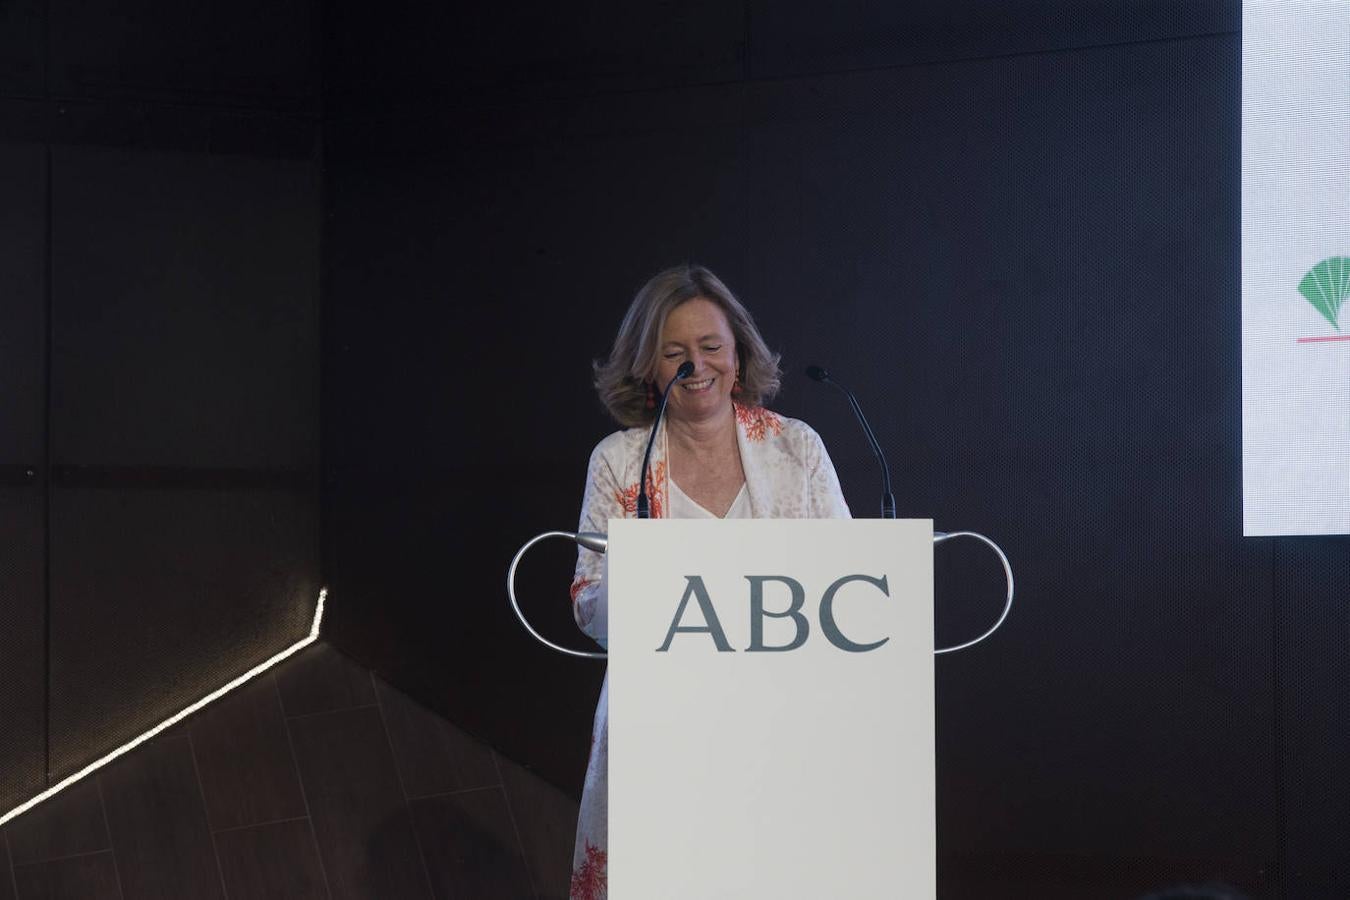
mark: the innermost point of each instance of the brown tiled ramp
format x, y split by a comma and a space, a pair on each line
317, 780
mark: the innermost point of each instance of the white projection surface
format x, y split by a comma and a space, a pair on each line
1295, 267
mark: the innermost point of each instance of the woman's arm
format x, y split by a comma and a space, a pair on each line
590, 596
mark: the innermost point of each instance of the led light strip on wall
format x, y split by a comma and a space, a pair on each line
178, 717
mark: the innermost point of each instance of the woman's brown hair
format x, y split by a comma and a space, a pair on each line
621, 380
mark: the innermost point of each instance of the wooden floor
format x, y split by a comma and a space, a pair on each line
317, 780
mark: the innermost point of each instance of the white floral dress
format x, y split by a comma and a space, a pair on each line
788, 475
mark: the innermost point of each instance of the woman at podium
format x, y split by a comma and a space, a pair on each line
718, 454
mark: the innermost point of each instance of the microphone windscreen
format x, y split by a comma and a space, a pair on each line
816, 373
685, 370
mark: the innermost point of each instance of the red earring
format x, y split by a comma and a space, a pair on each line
651, 395
736, 385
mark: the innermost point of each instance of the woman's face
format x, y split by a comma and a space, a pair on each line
698, 331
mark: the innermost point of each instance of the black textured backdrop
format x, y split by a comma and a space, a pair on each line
1014, 230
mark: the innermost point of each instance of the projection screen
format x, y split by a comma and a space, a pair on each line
1296, 267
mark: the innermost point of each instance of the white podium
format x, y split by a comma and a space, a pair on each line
771, 709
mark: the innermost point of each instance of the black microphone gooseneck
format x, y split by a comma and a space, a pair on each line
643, 506
816, 373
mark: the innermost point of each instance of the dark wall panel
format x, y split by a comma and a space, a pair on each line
23, 263
182, 407
23, 738
252, 53
160, 597
185, 310
184, 431
23, 302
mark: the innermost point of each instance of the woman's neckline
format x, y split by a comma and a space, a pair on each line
674, 486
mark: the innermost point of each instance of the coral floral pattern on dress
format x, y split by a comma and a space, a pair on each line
589, 880
578, 586
628, 496
758, 422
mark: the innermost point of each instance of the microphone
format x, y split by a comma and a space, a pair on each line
816, 373
643, 507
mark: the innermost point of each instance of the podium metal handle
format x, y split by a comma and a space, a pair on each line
599, 542
938, 538
587, 539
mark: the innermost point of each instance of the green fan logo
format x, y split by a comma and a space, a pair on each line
1327, 287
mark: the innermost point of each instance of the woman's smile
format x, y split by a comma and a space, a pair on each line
697, 332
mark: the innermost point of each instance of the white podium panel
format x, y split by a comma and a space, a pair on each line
771, 709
